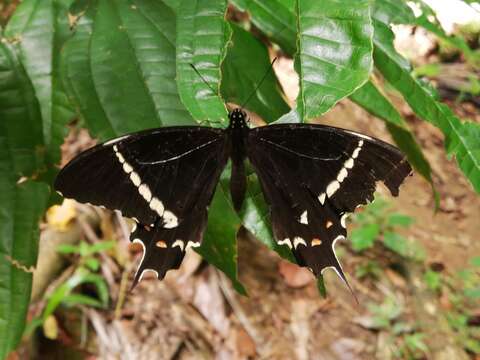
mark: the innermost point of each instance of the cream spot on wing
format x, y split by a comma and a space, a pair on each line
356, 152
120, 157
332, 188
321, 198
342, 175
179, 243
170, 221
316, 242
157, 206
127, 168
192, 244
144, 190
146, 271
135, 178
285, 241
343, 220
304, 218
329, 224
298, 241
349, 163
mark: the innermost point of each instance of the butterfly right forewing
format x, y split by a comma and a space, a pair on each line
312, 176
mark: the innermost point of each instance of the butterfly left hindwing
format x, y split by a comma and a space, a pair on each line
312, 176
163, 178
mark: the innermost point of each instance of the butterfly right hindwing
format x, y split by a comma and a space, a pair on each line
312, 176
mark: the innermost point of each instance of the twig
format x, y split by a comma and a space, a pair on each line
240, 314
122, 291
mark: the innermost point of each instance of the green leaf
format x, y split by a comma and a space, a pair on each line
120, 67
432, 279
79, 299
461, 139
364, 237
322, 289
21, 202
334, 55
393, 12
400, 220
275, 18
202, 38
92, 263
242, 74
219, 246
64, 291
415, 342
255, 215
68, 249
397, 243
99, 247
37, 30
472, 293
475, 261
372, 100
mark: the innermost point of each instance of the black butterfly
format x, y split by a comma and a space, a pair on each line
312, 176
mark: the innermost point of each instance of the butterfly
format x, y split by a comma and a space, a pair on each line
312, 176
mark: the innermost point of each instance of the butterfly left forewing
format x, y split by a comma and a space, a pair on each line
312, 176
163, 178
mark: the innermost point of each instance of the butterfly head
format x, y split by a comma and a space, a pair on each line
238, 119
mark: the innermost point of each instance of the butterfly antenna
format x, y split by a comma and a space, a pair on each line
260, 83
201, 77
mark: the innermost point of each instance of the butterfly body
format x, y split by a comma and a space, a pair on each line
238, 132
311, 176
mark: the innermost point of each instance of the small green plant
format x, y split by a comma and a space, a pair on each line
85, 273
406, 342
369, 269
377, 223
462, 289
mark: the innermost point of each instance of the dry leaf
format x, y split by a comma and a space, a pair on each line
294, 275
209, 301
245, 345
59, 216
50, 328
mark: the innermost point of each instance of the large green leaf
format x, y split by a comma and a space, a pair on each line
334, 56
37, 30
371, 99
219, 246
255, 217
393, 12
22, 201
202, 37
461, 139
242, 74
275, 18
120, 67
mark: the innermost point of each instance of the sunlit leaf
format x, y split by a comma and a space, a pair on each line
334, 55
202, 37
242, 74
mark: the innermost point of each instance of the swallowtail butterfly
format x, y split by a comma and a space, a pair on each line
311, 176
